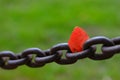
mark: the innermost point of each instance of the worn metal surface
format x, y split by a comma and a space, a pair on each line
35, 57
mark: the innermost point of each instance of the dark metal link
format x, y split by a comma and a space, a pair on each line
29, 54
35, 57
99, 40
59, 47
81, 55
8, 54
30, 51
113, 49
116, 40
48, 58
5, 56
17, 62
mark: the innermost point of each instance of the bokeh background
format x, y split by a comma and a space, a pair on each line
44, 23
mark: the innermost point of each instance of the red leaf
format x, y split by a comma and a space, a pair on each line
77, 39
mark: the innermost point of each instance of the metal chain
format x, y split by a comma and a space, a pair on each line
35, 57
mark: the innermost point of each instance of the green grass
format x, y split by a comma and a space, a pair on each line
44, 23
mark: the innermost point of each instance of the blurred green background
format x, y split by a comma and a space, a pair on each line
44, 23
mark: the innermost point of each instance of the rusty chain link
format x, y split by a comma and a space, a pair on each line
35, 57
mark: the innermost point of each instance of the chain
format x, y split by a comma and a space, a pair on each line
35, 57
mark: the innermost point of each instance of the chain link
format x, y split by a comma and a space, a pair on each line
35, 57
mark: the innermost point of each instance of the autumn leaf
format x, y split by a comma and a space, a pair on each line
77, 39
